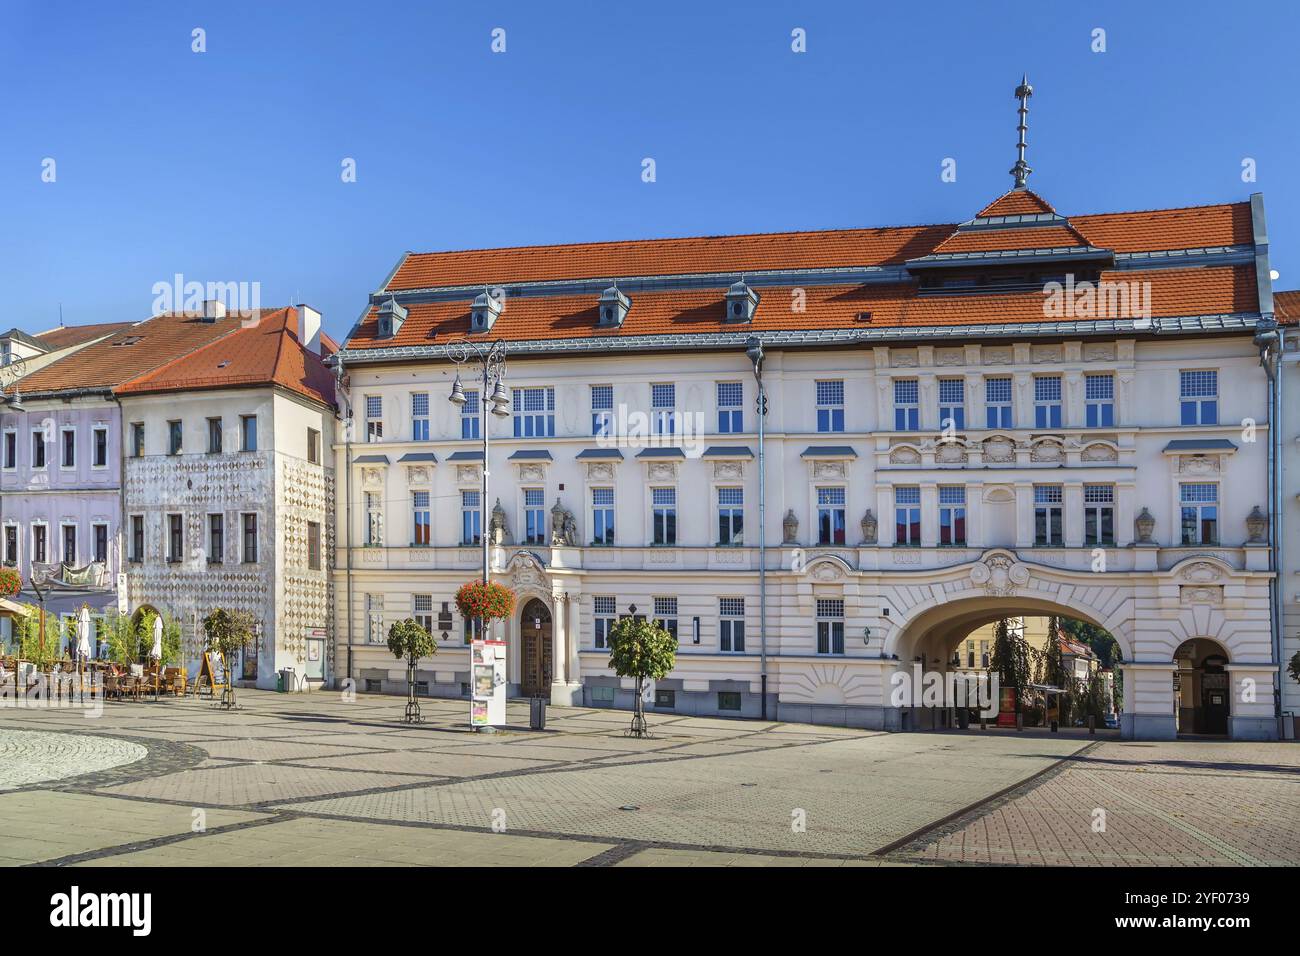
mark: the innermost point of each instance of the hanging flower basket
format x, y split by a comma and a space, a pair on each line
10, 582
490, 601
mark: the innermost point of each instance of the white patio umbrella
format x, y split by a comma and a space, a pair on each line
83, 633
156, 652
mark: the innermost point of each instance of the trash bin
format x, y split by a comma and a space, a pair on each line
537, 713
279, 682
287, 678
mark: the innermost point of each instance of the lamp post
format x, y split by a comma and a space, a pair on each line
490, 371
754, 351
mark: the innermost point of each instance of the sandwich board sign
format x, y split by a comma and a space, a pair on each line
212, 667
487, 706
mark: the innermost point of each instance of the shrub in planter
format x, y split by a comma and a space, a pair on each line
10, 582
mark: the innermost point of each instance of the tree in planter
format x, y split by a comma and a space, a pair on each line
123, 638
41, 650
228, 633
483, 602
1010, 661
410, 640
1054, 673
645, 651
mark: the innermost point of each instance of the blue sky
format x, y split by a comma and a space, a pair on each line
225, 165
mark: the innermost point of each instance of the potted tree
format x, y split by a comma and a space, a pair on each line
228, 633
410, 640
644, 651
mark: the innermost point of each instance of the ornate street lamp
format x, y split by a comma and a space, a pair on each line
754, 352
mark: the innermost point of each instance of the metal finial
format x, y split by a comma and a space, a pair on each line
1021, 169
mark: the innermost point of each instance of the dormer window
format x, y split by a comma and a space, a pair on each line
741, 302
484, 312
391, 317
614, 306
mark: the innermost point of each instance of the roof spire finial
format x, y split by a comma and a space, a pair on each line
1021, 169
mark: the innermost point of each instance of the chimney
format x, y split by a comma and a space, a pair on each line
309, 328
213, 309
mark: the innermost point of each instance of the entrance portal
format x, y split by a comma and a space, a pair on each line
536, 666
1201, 688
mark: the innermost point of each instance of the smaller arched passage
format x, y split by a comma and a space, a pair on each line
1202, 687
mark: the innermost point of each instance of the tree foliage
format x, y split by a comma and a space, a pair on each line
1293, 667
644, 651
228, 633
408, 639
1010, 660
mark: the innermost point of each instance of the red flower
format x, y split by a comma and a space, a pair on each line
491, 601
10, 582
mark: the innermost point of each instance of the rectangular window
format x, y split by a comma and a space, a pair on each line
175, 436
419, 416
952, 514
39, 544
471, 518
534, 410
137, 538
214, 436
422, 608
534, 516
374, 622
68, 448
469, 415
99, 447
421, 525
666, 614
250, 538
731, 414
907, 515
175, 538
99, 533
313, 545
970, 653
38, 449
471, 629
248, 432
663, 408
11, 544
604, 618
137, 439
1200, 512
374, 519
1048, 528
728, 700
11, 450
70, 545
1047, 401
1099, 400
1098, 514
374, 418
665, 699
602, 515
830, 515
907, 405
216, 539
731, 516
830, 406
984, 653
664, 506
602, 695
602, 410
1199, 397
997, 402
952, 403
731, 625
830, 626
313, 447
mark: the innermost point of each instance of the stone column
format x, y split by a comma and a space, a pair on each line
1148, 701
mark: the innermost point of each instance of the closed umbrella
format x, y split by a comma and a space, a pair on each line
83, 633
156, 652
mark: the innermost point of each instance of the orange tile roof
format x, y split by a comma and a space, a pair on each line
66, 336
1016, 202
136, 349
1286, 307
1162, 229
263, 353
1031, 237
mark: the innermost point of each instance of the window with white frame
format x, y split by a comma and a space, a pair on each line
907, 515
997, 402
99, 543
952, 403
604, 617
534, 412
663, 405
952, 514
663, 503
602, 515
136, 551
470, 415
602, 410
421, 523
1048, 528
216, 538
830, 626
471, 518
38, 448
11, 545
419, 416
830, 516
907, 405
374, 503
1098, 514
68, 448
731, 413
374, 418
40, 543
70, 544
175, 538
666, 614
1047, 401
1099, 401
175, 437
830, 406
1199, 503
248, 432
731, 625
11, 450
534, 516
731, 516
313, 546
1198, 395
375, 619
422, 610
250, 537
214, 436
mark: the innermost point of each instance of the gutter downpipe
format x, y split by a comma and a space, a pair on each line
347, 499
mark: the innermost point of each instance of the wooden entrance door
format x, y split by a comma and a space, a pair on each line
535, 663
